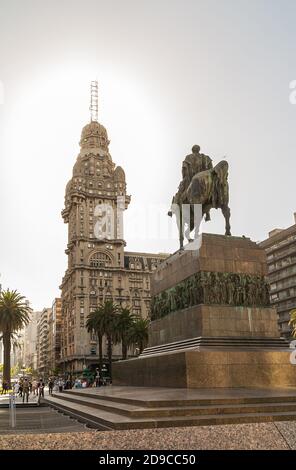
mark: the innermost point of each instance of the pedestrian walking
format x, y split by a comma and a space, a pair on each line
38, 386
41, 388
50, 386
98, 378
26, 390
34, 387
61, 385
16, 388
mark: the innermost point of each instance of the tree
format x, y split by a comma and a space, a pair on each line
93, 324
14, 315
138, 333
14, 371
124, 322
106, 322
292, 322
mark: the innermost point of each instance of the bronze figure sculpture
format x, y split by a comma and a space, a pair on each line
204, 185
212, 288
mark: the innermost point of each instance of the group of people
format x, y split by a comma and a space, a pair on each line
24, 387
58, 385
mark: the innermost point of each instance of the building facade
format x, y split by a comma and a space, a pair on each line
54, 336
280, 248
30, 341
98, 267
42, 342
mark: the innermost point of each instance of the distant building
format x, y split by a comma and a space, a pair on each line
42, 343
54, 335
98, 267
18, 349
30, 341
280, 250
17, 355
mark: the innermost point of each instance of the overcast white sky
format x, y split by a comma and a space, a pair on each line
172, 73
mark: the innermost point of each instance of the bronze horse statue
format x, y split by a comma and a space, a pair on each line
210, 190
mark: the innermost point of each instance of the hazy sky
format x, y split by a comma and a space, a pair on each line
172, 74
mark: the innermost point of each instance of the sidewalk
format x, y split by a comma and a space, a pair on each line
4, 399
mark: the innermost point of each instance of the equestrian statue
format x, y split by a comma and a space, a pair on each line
203, 185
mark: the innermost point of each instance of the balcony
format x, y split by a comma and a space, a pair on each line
283, 254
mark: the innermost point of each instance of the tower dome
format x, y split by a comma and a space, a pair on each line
119, 174
94, 135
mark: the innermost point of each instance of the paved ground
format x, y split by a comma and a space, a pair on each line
4, 399
38, 420
240, 436
44, 428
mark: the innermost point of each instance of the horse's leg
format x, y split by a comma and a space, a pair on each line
181, 236
179, 218
190, 223
226, 212
206, 210
187, 234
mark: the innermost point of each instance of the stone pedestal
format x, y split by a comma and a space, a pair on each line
212, 324
209, 369
214, 321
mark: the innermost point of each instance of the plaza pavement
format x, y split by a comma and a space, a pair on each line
252, 436
255, 436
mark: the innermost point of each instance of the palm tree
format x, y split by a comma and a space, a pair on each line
106, 325
93, 323
138, 333
14, 315
292, 322
124, 322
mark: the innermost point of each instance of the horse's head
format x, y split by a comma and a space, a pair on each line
221, 169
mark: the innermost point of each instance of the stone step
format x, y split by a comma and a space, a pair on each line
38, 420
136, 411
217, 342
21, 405
102, 419
99, 419
96, 402
151, 402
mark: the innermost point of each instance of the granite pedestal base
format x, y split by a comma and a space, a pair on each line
209, 369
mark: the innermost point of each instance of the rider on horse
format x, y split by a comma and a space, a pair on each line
193, 164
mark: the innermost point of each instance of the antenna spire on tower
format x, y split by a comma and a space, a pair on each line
94, 100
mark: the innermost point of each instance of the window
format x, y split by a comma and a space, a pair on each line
100, 260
